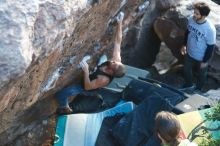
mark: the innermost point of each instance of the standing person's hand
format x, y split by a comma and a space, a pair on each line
203, 65
183, 50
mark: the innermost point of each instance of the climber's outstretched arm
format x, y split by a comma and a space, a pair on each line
118, 38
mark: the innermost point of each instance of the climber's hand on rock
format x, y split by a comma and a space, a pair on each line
84, 65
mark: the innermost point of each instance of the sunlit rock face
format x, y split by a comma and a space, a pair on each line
31, 30
42, 43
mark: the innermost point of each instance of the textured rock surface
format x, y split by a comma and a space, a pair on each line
32, 38
31, 30
173, 34
142, 45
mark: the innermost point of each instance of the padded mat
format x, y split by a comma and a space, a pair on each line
83, 129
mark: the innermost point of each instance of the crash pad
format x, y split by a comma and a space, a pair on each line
190, 120
83, 129
131, 73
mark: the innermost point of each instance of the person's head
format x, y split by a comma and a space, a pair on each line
116, 69
201, 10
167, 128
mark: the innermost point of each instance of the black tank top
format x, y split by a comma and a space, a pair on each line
98, 71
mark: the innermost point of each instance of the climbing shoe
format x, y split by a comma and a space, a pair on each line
64, 111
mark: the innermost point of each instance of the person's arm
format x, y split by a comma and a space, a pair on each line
117, 43
210, 41
207, 56
208, 53
94, 84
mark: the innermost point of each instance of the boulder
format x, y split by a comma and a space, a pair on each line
170, 29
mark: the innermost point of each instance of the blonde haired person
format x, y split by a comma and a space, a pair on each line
167, 128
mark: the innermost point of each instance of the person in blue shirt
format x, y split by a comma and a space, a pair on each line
198, 46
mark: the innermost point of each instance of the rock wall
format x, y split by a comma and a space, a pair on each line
142, 45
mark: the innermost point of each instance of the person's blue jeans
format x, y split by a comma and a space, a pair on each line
62, 95
189, 64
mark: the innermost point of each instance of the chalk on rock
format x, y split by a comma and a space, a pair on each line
120, 17
86, 58
102, 59
143, 6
